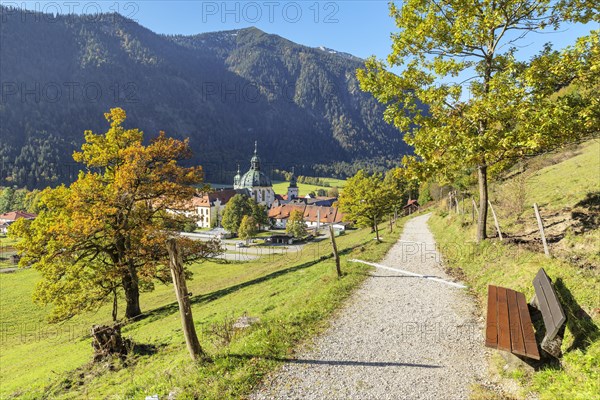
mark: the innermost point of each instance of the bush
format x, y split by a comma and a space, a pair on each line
190, 227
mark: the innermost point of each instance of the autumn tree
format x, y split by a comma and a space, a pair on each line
401, 187
366, 200
445, 47
295, 225
259, 213
248, 228
105, 235
239, 206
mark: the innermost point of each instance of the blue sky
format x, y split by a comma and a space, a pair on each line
358, 27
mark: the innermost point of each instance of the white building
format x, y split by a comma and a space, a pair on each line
256, 182
208, 208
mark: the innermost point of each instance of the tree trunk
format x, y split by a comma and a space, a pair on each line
107, 341
115, 305
376, 228
483, 203
132, 296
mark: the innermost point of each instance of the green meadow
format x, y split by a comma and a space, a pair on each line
280, 187
291, 294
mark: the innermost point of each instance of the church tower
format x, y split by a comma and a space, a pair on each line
257, 183
292, 192
237, 179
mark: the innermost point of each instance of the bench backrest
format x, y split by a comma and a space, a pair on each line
552, 312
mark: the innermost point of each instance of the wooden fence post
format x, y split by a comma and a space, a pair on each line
475, 207
185, 309
336, 256
541, 226
495, 220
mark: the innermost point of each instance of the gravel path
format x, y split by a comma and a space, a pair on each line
398, 337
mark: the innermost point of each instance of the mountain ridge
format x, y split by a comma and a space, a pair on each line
223, 90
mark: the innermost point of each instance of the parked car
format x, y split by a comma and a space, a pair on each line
240, 244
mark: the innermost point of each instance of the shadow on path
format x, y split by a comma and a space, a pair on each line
337, 362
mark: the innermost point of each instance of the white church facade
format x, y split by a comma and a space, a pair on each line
256, 182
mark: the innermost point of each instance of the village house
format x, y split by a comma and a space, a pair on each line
208, 208
411, 207
314, 216
8, 218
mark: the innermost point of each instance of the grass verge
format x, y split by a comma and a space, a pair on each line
292, 294
577, 376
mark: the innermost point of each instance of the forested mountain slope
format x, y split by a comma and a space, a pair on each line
223, 90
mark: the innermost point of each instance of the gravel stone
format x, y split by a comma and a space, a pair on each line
398, 336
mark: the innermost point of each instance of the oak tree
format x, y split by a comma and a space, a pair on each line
366, 200
105, 235
239, 206
247, 228
295, 225
444, 48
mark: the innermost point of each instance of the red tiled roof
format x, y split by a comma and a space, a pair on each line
200, 201
327, 215
284, 211
411, 203
222, 195
15, 215
208, 199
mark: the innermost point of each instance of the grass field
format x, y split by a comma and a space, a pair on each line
280, 187
6, 250
566, 181
561, 183
291, 294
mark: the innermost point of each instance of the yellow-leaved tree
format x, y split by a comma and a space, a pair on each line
104, 237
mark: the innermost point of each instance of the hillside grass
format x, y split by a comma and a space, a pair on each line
6, 250
293, 295
570, 177
562, 184
280, 187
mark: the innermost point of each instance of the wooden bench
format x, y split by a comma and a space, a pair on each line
509, 325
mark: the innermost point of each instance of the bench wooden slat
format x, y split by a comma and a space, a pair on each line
503, 321
531, 349
491, 330
552, 312
516, 331
543, 304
